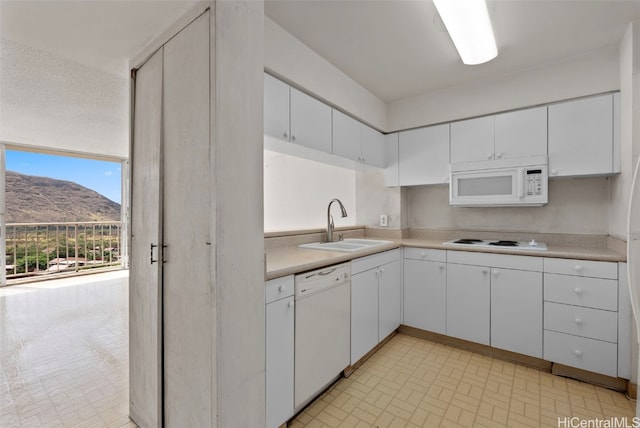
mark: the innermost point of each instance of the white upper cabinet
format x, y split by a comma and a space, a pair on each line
391, 170
472, 140
347, 136
310, 122
521, 133
581, 137
509, 135
373, 150
423, 156
356, 141
276, 108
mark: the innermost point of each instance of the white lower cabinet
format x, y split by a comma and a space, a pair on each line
279, 348
468, 302
516, 311
376, 300
425, 289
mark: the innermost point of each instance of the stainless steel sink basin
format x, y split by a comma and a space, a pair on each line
347, 245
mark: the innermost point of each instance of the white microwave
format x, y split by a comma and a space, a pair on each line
506, 183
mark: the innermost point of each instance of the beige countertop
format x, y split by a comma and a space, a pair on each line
292, 260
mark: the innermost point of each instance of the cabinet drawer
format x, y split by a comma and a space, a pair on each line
574, 290
579, 321
585, 268
587, 354
369, 262
505, 261
425, 254
279, 288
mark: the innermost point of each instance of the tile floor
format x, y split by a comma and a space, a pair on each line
63, 363
64, 353
412, 382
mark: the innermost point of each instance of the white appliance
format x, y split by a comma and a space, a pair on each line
498, 243
498, 183
323, 330
633, 253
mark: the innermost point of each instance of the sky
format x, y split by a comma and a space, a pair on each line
102, 176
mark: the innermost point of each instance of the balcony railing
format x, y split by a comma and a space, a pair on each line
56, 248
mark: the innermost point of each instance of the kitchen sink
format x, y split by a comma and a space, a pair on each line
348, 245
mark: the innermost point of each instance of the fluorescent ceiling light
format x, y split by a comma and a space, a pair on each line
468, 24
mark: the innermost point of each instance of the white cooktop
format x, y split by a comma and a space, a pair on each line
496, 243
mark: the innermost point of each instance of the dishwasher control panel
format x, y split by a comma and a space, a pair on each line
313, 282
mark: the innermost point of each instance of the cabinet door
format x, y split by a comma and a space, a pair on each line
276, 108
347, 136
468, 302
472, 140
364, 313
425, 295
373, 151
516, 311
279, 361
581, 137
390, 299
424, 155
145, 282
310, 122
521, 133
391, 170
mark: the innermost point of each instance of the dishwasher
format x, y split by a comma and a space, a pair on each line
322, 330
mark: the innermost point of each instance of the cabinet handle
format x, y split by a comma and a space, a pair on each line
577, 353
490, 156
441, 266
577, 290
578, 321
484, 271
381, 270
281, 288
423, 254
152, 259
291, 304
578, 268
495, 272
293, 137
285, 135
499, 155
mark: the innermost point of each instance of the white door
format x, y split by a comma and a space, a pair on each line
389, 299
472, 140
521, 133
516, 311
425, 295
468, 302
347, 136
423, 156
310, 122
279, 361
3, 229
186, 216
364, 313
276, 108
145, 281
373, 150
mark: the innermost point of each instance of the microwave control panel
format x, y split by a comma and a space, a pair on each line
533, 182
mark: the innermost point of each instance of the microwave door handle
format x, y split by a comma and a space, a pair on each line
521, 173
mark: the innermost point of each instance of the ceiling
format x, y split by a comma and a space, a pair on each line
102, 34
397, 49
394, 48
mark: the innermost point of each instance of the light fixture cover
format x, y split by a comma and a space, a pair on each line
469, 26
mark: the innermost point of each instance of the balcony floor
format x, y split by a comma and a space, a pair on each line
64, 353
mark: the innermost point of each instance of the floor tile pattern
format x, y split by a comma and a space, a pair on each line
64, 353
412, 382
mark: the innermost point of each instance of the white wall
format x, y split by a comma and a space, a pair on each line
577, 206
589, 74
373, 199
297, 192
50, 102
288, 58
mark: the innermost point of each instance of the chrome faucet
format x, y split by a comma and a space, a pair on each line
330, 226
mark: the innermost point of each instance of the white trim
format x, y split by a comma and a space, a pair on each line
60, 152
3, 229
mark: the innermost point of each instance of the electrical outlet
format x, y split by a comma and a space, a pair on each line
383, 220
